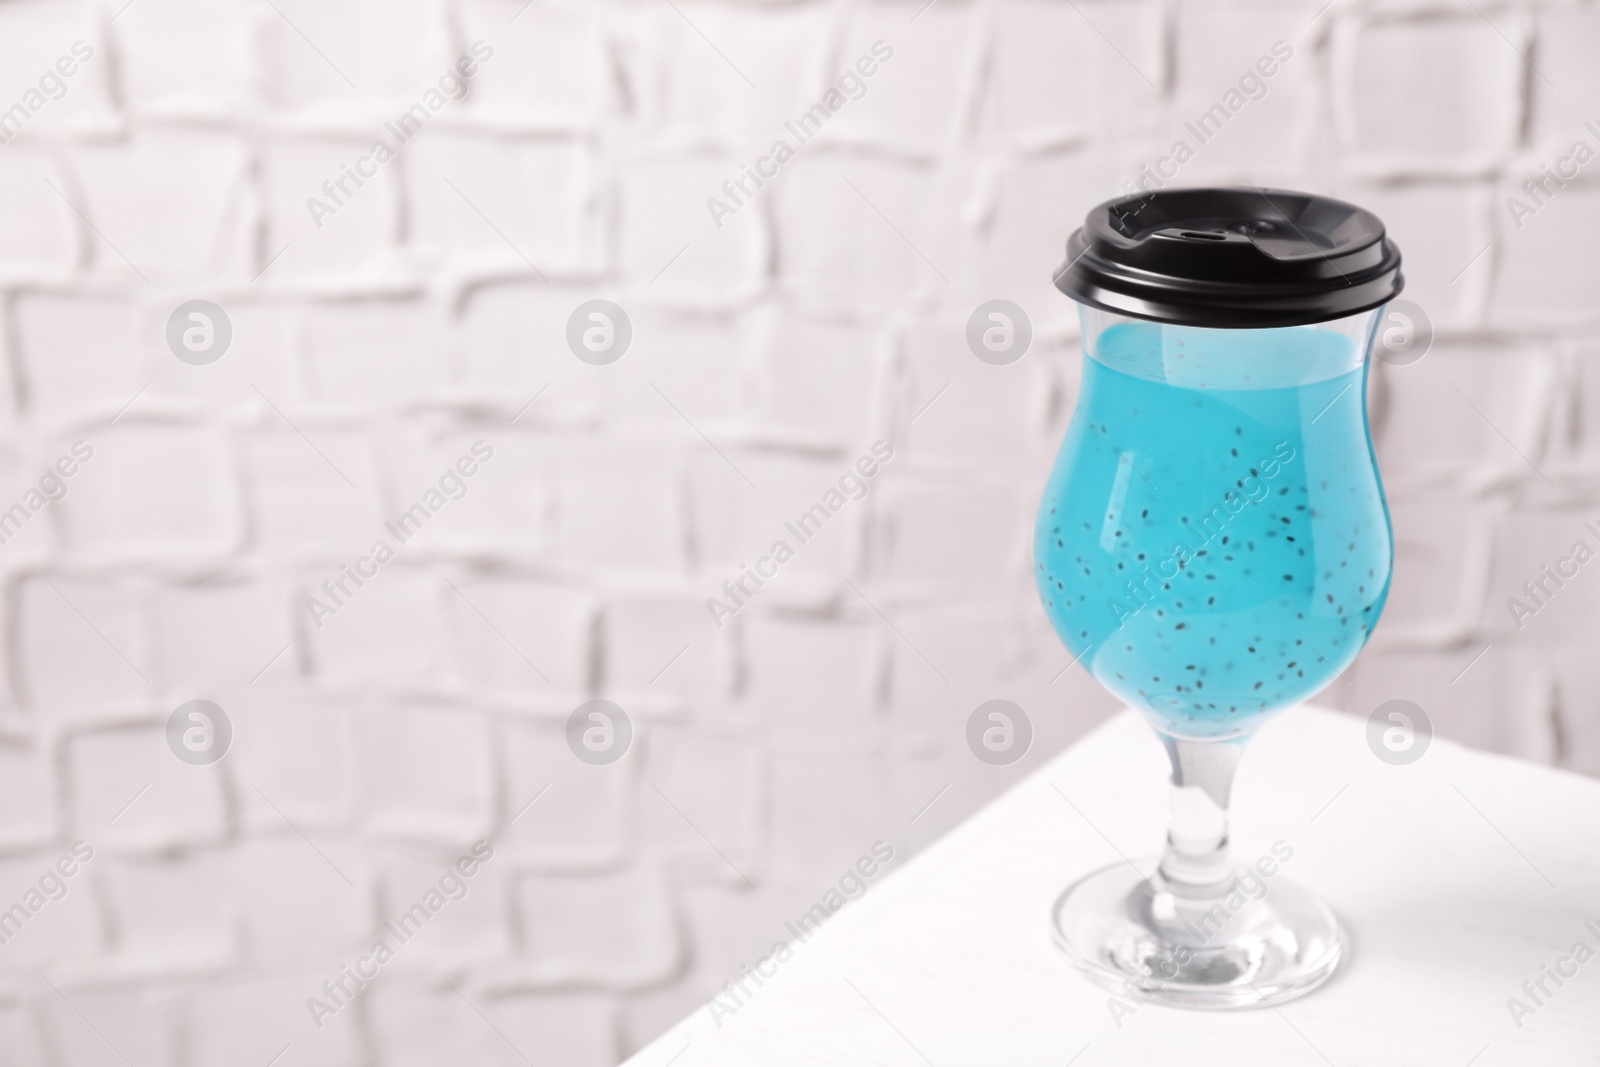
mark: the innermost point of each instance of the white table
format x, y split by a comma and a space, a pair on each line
1458, 877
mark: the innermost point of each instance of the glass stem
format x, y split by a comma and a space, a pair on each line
1196, 856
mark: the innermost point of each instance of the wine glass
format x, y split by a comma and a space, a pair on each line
1213, 545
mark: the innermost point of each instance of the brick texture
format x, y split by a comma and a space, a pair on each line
424, 310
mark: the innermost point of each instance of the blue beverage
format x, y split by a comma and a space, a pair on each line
1213, 543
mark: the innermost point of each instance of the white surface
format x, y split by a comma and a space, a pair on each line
1458, 877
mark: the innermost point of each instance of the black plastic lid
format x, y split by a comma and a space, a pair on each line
1231, 258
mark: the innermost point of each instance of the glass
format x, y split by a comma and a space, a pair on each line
1214, 546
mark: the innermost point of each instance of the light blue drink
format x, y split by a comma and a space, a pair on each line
1213, 542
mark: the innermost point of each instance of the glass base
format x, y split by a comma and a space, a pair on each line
1249, 942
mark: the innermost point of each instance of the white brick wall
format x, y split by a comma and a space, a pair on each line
429, 312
